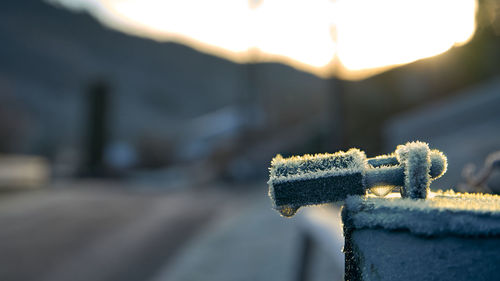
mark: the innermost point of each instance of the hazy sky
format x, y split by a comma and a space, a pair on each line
365, 36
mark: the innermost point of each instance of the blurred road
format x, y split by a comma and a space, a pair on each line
96, 232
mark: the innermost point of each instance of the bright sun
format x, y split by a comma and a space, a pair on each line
355, 38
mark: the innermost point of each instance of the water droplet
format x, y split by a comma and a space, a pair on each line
381, 190
287, 211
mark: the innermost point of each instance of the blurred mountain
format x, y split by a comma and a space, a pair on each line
49, 56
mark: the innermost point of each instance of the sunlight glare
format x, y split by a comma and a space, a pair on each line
354, 38
374, 34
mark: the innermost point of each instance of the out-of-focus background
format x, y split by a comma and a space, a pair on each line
136, 136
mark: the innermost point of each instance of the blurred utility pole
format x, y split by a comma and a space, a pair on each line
252, 95
337, 133
250, 99
97, 97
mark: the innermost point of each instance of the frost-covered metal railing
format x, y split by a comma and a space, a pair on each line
323, 178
